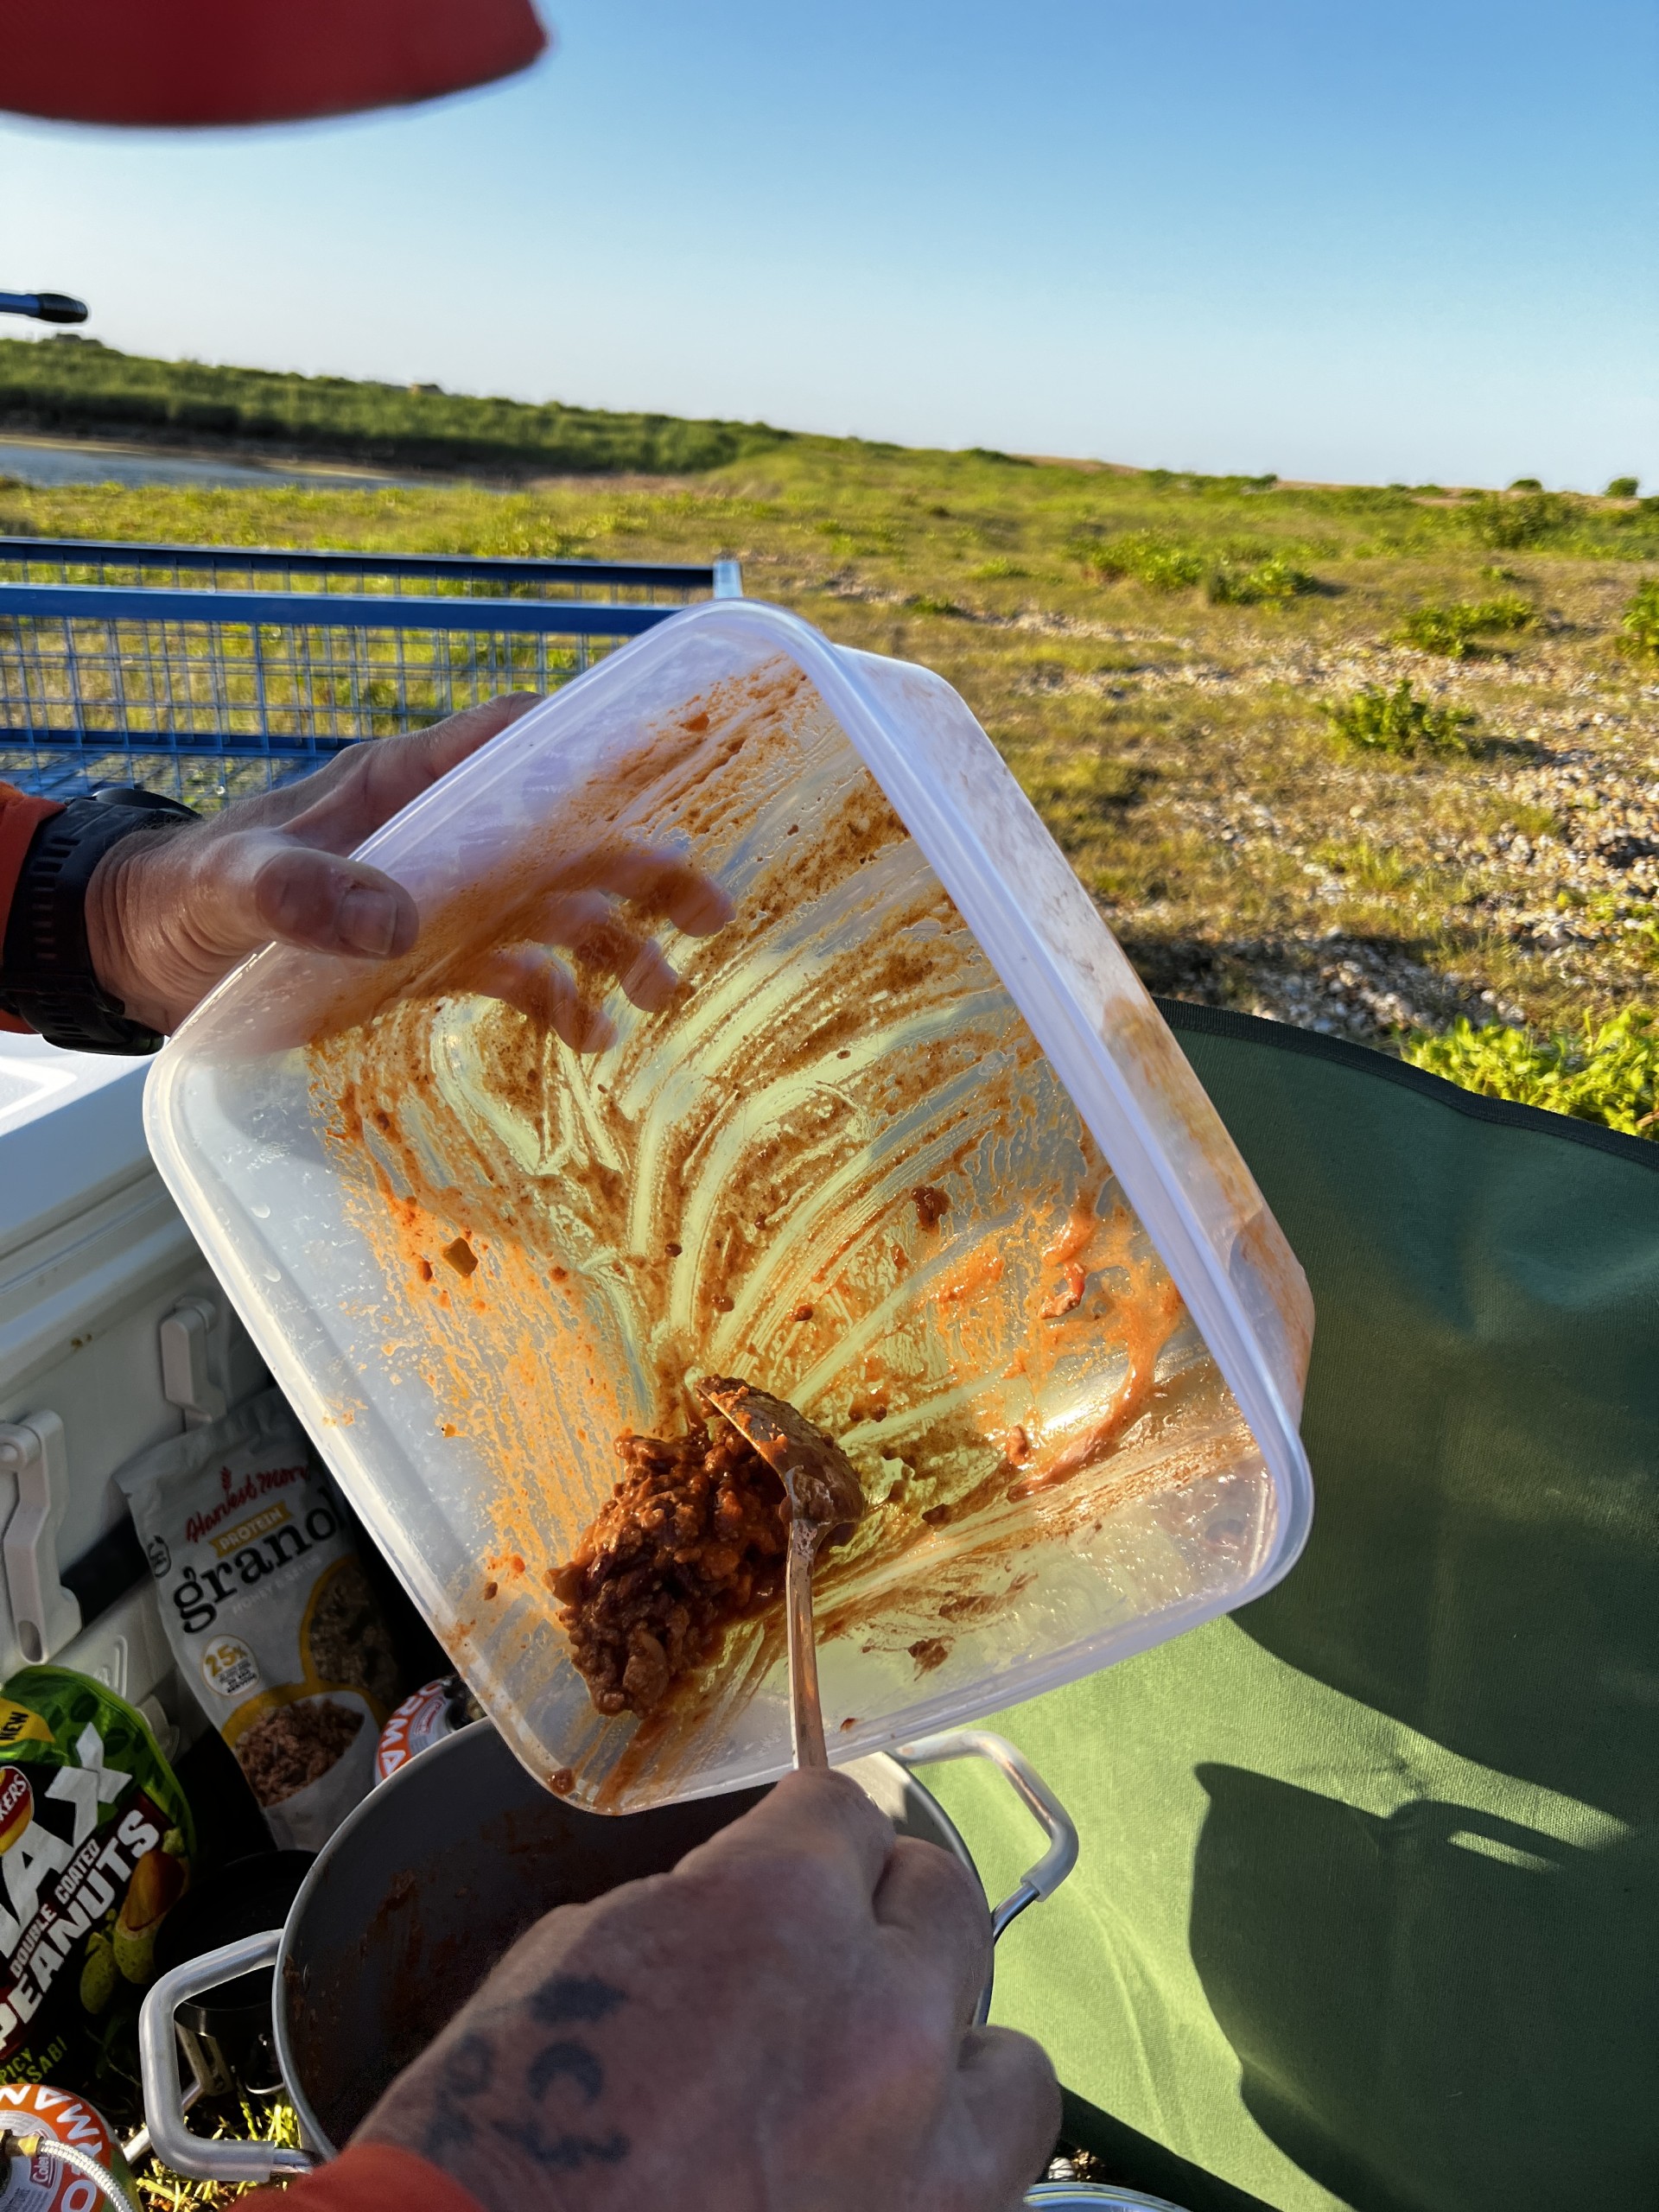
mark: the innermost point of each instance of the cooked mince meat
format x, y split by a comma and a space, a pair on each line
293, 1745
693, 1538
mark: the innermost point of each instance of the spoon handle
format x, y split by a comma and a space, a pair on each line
805, 1713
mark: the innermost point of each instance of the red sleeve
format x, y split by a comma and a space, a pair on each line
373, 2177
20, 818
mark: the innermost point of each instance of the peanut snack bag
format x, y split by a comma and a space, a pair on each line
96, 1841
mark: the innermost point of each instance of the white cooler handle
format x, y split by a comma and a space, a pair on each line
1033, 1793
171, 2141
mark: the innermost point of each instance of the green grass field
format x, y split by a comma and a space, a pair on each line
1379, 761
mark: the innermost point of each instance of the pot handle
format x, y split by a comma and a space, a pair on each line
224, 2159
1038, 1800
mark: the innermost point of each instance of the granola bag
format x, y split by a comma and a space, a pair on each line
268, 1611
96, 1841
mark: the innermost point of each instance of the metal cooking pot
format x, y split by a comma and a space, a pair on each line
382, 1947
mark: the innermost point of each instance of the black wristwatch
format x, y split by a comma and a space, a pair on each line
46, 965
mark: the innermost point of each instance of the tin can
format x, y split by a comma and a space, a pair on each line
43, 2183
435, 1711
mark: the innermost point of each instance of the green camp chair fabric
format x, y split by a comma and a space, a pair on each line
1367, 1912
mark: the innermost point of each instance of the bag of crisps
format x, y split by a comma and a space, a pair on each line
96, 1841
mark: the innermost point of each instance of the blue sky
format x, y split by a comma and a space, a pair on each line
1338, 240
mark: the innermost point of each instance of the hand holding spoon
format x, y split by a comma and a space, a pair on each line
825, 1500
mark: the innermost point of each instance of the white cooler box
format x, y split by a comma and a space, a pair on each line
114, 1334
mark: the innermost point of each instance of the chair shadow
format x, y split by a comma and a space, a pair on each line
1421, 2004
1439, 2010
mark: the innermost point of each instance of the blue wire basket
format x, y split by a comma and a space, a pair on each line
207, 672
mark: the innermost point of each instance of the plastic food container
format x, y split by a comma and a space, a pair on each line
908, 1144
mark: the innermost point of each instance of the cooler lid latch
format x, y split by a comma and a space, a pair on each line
192, 1365
45, 1616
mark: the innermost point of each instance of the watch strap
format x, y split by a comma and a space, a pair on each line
47, 977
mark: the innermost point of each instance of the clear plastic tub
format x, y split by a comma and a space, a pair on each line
909, 1145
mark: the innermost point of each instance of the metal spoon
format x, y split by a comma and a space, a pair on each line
825, 1499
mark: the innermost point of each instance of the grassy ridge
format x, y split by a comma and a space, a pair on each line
85, 387
1197, 682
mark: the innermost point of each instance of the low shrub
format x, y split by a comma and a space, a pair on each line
1188, 479
1269, 583
1641, 622
1398, 723
1610, 1073
1452, 629
1506, 523
1526, 483
1152, 560
1624, 488
1170, 570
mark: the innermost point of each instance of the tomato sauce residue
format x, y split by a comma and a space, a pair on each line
1065, 1255
826, 1154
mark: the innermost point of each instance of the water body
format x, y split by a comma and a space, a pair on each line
48, 462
